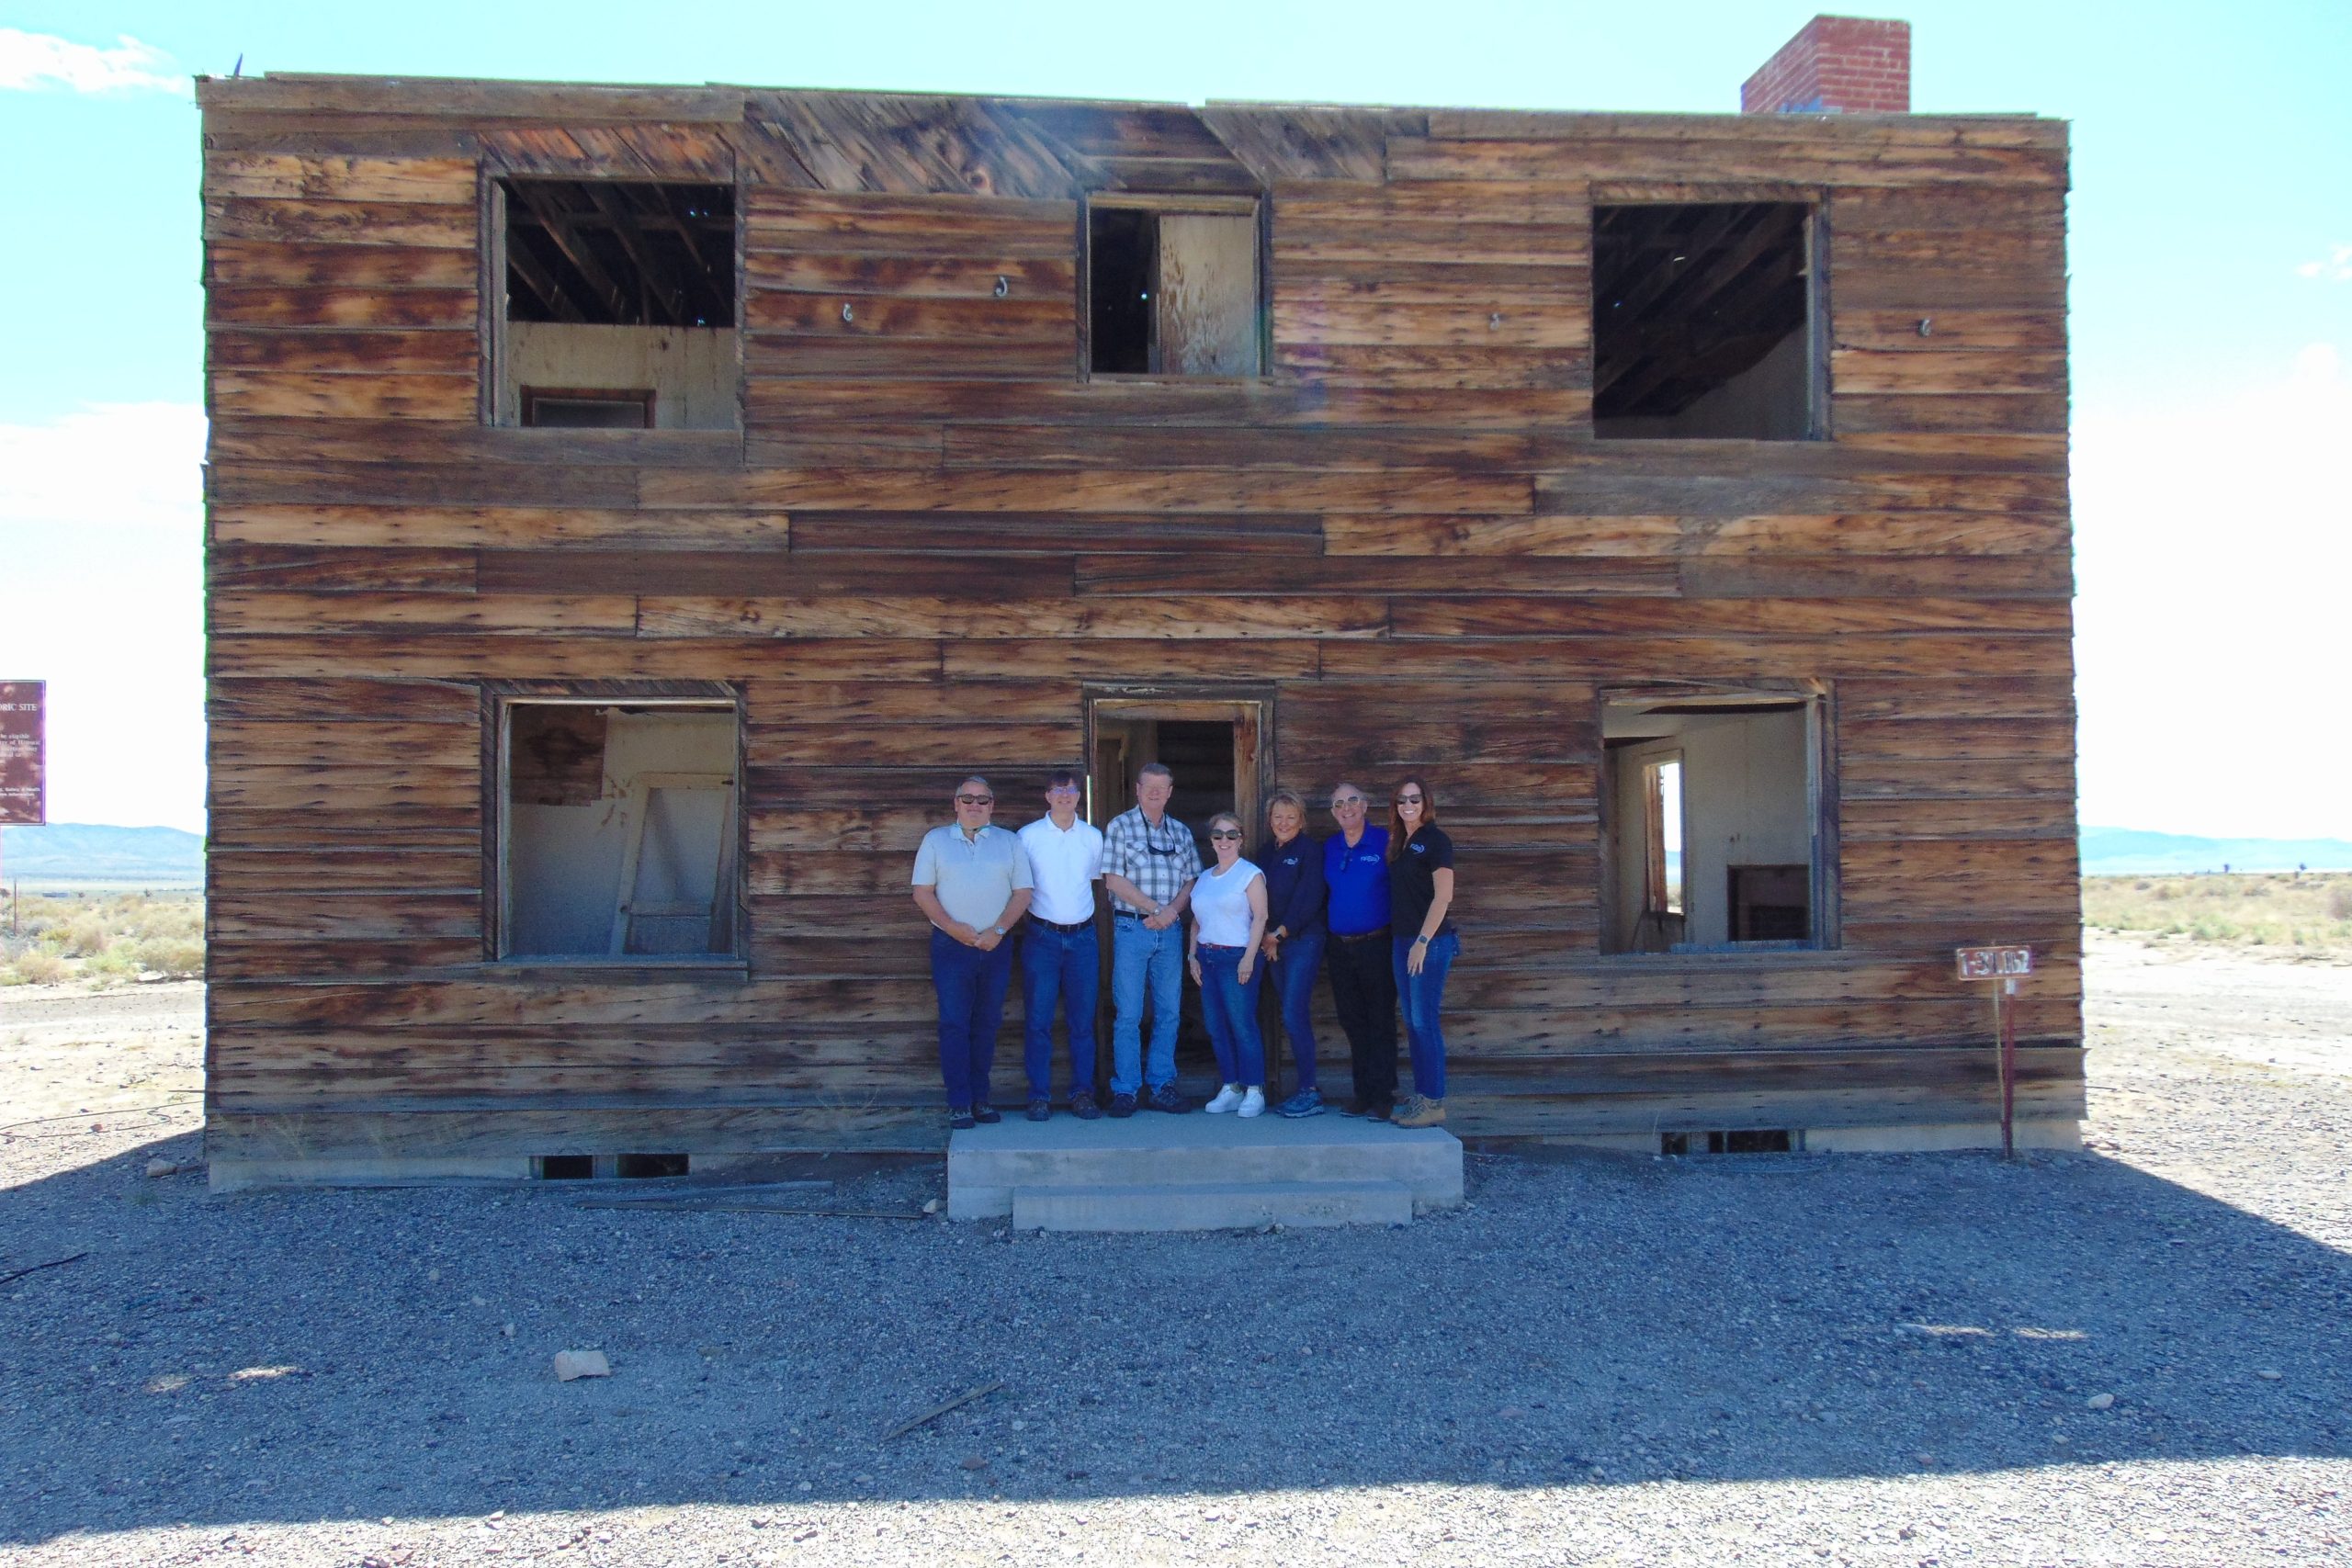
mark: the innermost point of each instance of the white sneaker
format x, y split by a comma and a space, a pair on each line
1227, 1099
1253, 1103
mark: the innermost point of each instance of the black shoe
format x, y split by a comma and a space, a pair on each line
1082, 1106
1041, 1110
1166, 1098
959, 1118
987, 1115
1367, 1109
1122, 1107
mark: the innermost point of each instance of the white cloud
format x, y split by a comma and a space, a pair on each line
2337, 268
2214, 557
101, 531
29, 61
110, 464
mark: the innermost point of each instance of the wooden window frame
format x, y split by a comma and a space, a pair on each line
499, 701
1818, 700
1255, 207
490, 295
1819, 338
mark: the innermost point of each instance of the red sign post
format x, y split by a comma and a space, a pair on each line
2001, 965
24, 791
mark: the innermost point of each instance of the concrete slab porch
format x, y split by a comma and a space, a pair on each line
1157, 1162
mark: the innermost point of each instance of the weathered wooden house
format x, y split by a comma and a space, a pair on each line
631, 508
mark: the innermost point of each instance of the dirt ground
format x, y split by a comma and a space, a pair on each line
2139, 1355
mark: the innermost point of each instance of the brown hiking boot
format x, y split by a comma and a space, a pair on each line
1415, 1110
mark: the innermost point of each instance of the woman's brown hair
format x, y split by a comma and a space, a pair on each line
1396, 823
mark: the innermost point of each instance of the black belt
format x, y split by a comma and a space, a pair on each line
1057, 926
1359, 936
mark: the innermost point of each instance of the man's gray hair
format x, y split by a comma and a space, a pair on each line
974, 779
1344, 787
1155, 770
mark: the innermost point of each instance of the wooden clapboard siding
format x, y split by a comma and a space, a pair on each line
934, 532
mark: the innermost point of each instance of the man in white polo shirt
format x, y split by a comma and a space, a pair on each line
1061, 959
971, 882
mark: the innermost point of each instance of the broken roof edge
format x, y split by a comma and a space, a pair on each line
716, 101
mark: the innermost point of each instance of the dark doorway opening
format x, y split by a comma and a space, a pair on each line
1212, 749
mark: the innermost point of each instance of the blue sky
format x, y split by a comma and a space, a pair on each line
2211, 249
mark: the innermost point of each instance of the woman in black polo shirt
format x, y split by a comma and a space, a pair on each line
1421, 892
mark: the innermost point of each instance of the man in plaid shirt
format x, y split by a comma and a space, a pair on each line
1148, 862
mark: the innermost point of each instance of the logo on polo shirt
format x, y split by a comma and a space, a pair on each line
1418, 849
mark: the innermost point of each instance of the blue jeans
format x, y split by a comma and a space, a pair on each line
1422, 996
1294, 975
1144, 960
971, 986
1229, 1008
1065, 967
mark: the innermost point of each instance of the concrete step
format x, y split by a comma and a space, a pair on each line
987, 1164
1212, 1205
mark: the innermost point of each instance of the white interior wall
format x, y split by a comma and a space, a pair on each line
563, 862
1769, 400
691, 369
1747, 800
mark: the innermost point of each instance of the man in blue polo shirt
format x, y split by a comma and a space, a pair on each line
1363, 980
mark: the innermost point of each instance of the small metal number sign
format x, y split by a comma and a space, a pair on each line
2001, 965
1993, 963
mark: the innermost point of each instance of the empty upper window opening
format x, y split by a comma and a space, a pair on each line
620, 290
1703, 322
1713, 812
1172, 291
618, 838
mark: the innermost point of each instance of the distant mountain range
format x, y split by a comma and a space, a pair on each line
2126, 852
81, 852
84, 852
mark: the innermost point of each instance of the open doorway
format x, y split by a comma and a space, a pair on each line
1214, 747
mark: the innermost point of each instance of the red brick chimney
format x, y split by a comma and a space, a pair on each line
1835, 65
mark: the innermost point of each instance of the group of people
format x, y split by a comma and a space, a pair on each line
1369, 905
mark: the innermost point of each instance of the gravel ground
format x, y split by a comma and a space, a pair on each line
1766, 1359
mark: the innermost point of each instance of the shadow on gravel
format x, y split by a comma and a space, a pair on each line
1594, 1319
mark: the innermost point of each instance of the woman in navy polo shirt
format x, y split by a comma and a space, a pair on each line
1420, 892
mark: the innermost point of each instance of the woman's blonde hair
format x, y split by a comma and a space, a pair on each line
1226, 817
1286, 797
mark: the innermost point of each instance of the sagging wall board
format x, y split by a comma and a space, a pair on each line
663, 824
1747, 800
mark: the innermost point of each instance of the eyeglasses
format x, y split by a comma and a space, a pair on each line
1339, 800
1408, 800
1223, 833
1061, 789
976, 800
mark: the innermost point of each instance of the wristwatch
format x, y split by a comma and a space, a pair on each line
1420, 942
998, 929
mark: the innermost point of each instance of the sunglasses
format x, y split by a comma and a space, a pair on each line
976, 800
1223, 833
1408, 800
1339, 800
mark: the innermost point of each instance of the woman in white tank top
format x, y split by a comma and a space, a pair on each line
1228, 924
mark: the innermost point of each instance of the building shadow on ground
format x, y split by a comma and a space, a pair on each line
1591, 1320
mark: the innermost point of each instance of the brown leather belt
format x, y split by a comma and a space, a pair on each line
1359, 936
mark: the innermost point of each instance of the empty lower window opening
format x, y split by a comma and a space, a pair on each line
1172, 293
588, 408
648, 1168
563, 1167
620, 305
1704, 319
1713, 816
619, 837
